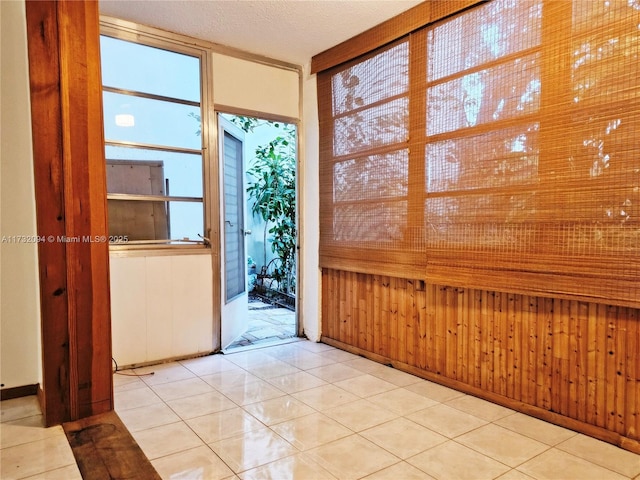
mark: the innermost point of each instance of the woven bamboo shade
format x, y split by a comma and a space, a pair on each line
498, 148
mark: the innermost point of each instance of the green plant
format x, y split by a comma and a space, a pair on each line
272, 191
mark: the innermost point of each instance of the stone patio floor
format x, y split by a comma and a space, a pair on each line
268, 324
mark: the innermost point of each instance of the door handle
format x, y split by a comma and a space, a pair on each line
247, 232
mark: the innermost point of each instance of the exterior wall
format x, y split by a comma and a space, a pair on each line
572, 363
20, 362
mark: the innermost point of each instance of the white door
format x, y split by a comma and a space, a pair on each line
234, 262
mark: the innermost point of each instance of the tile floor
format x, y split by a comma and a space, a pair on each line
268, 324
28, 450
308, 411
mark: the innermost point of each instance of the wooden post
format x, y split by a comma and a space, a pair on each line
70, 186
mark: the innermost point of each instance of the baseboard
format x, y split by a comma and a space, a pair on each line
17, 392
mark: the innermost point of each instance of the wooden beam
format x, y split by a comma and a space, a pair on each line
70, 186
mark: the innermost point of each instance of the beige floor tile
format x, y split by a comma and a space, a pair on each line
352, 457
223, 381
364, 365
17, 408
399, 471
297, 466
126, 381
228, 423
402, 401
143, 418
305, 360
276, 369
338, 355
25, 430
199, 405
296, 382
603, 454
315, 347
167, 439
311, 431
325, 397
181, 389
257, 391
451, 460
534, 428
253, 449
515, 475
209, 365
139, 397
359, 415
35, 458
196, 463
365, 385
403, 437
278, 410
391, 375
334, 372
250, 358
503, 445
446, 420
480, 408
434, 391
555, 464
70, 472
164, 373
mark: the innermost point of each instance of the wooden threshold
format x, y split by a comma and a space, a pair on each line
104, 449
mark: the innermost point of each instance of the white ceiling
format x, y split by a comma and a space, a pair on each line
287, 30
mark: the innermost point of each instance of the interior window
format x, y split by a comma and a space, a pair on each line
153, 143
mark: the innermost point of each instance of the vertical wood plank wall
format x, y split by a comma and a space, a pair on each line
569, 362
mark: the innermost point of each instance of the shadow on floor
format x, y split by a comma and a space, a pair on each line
268, 324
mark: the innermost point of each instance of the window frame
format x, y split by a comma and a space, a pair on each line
148, 36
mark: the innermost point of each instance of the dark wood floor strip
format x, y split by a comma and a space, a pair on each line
104, 449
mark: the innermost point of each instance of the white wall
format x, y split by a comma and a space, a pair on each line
161, 307
19, 287
310, 214
253, 86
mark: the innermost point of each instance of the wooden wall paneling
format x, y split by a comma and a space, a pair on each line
514, 347
476, 320
430, 358
375, 314
573, 362
581, 356
385, 317
402, 299
566, 361
70, 184
621, 367
632, 378
601, 367
611, 370
450, 353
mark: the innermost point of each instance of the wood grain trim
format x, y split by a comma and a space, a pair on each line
388, 31
17, 392
70, 187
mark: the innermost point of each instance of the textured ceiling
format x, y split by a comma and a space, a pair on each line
288, 30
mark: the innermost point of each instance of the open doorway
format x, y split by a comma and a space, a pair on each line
266, 239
